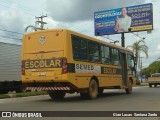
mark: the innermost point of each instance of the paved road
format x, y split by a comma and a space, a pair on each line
142, 99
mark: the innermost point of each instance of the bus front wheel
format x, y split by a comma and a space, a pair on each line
129, 88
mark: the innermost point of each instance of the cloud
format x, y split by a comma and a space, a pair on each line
152, 40
12, 19
79, 10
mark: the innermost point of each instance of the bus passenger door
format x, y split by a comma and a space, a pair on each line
124, 68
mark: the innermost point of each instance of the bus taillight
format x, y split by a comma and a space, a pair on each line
64, 66
23, 68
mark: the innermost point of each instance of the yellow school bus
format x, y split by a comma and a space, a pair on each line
62, 61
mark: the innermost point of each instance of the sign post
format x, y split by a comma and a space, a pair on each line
122, 40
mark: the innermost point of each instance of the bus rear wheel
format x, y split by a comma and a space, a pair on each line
21, 89
129, 88
100, 91
93, 89
84, 95
56, 95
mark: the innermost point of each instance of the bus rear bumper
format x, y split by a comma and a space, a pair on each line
51, 86
48, 88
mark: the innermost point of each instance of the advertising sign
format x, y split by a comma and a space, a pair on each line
123, 20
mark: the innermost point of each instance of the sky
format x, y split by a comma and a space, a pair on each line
76, 15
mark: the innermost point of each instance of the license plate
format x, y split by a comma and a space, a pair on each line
41, 73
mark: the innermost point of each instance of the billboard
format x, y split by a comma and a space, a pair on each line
123, 20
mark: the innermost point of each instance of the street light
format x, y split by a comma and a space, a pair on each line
139, 36
116, 41
113, 41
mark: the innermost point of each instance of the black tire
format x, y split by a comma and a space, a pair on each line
20, 90
84, 95
3, 91
150, 85
155, 85
56, 95
100, 91
93, 89
129, 89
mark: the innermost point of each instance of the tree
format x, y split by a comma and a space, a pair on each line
146, 72
137, 48
31, 27
154, 67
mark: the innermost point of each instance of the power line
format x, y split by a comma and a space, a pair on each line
143, 38
11, 31
9, 37
112, 41
11, 3
21, 6
110, 38
5, 4
11, 40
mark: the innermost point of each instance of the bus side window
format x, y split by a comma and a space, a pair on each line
105, 54
79, 46
115, 56
93, 49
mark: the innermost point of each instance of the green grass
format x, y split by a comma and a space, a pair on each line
25, 94
141, 84
2, 96
30, 94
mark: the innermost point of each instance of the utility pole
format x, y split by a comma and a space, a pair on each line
40, 22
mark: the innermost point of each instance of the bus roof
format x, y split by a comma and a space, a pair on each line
82, 35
